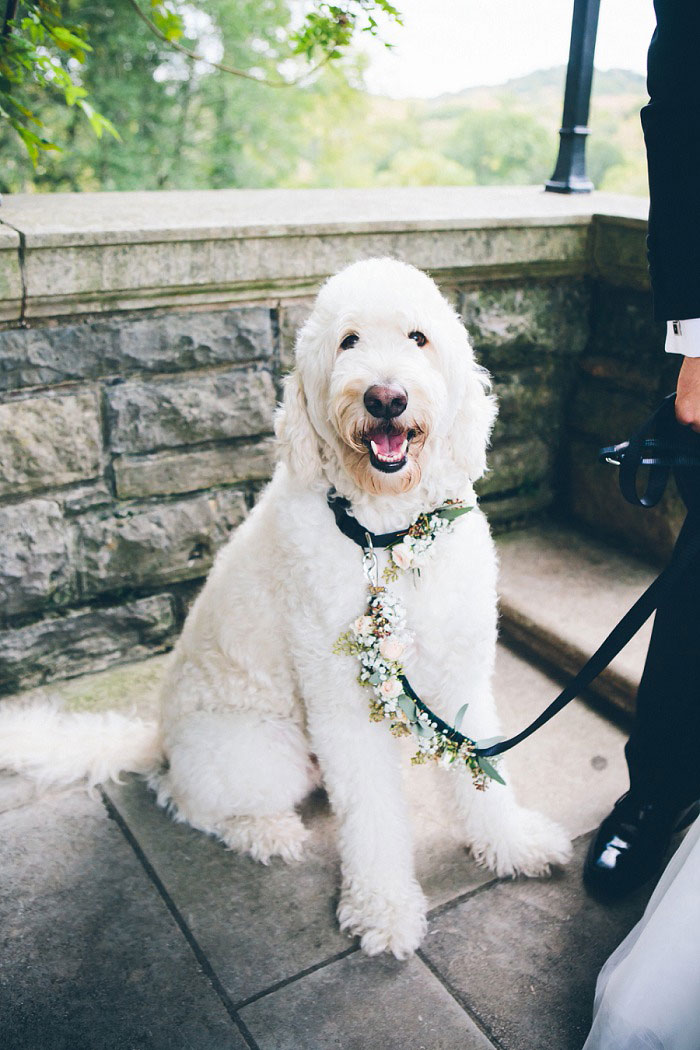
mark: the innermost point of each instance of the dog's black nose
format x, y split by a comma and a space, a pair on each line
385, 402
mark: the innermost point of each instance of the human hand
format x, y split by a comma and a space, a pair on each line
688, 393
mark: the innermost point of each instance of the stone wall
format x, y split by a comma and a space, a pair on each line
619, 379
135, 436
129, 448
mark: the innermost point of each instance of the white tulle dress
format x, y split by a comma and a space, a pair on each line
648, 993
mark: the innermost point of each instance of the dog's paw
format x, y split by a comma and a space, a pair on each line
530, 846
263, 838
392, 922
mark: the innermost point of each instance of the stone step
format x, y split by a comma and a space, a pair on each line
561, 594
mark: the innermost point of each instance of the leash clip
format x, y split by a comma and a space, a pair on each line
370, 562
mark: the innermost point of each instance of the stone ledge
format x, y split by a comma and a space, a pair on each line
11, 291
113, 251
78, 219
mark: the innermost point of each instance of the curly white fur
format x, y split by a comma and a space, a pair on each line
255, 702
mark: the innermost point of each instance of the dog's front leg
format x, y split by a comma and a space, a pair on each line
381, 901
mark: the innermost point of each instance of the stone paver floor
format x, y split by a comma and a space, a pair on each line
121, 930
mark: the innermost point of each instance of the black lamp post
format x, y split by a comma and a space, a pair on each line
570, 171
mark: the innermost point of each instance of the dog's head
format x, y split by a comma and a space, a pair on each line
385, 387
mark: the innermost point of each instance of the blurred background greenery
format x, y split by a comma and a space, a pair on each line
186, 125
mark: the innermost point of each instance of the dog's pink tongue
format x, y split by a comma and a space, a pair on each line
388, 444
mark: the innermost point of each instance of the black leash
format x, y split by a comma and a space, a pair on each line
686, 551
660, 445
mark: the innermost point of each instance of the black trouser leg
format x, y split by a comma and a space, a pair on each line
663, 752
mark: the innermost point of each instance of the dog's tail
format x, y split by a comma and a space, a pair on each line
56, 748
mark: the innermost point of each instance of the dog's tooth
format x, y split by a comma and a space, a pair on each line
374, 448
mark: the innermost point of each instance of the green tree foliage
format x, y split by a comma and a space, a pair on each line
39, 51
502, 146
163, 75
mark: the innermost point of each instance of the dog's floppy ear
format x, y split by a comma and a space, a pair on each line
476, 412
297, 440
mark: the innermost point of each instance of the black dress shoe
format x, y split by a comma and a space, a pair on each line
630, 846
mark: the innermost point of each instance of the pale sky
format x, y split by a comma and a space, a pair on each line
448, 45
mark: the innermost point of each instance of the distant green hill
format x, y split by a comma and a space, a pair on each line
605, 82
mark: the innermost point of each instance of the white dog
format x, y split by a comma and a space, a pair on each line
386, 406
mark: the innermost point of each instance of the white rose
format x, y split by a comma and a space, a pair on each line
402, 555
391, 688
362, 626
391, 648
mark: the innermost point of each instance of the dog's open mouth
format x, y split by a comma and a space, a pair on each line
388, 447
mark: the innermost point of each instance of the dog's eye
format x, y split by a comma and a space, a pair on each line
349, 341
418, 337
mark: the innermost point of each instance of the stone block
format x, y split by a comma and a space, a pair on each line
608, 414
147, 415
145, 545
529, 399
504, 319
635, 377
623, 326
48, 441
90, 955
515, 464
619, 251
169, 473
402, 1005
37, 568
291, 317
546, 939
172, 342
516, 509
88, 640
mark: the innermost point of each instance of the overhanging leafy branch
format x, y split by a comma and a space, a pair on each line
42, 52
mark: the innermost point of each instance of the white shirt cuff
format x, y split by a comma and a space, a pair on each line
683, 337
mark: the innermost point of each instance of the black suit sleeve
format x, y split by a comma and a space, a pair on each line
671, 123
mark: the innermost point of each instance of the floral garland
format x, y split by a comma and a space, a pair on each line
379, 640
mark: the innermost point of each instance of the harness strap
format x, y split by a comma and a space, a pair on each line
352, 528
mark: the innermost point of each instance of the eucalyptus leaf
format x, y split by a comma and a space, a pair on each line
489, 741
424, 730
490, 770
450, 513
375, 678
460, 716
407, 706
